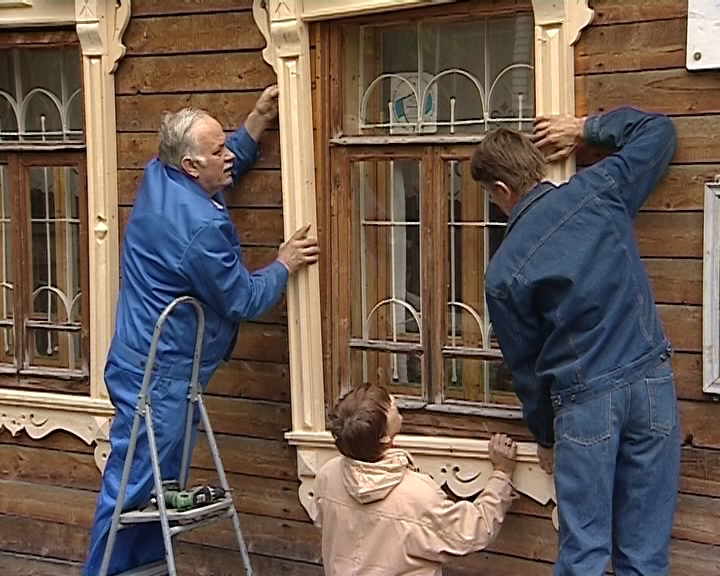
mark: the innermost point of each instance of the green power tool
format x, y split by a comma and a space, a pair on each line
184, 500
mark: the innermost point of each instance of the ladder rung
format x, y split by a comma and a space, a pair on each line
154, 569
174, 517
180, 528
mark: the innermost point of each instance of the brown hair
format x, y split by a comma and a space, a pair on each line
358, 422
508, 156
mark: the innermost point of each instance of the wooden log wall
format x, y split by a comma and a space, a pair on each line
206, 53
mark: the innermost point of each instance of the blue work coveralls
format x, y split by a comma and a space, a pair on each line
178, 241
574, 314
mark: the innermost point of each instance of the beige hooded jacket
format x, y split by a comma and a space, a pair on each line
386, 519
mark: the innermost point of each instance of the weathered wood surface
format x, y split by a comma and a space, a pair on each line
620, 11
170, 8
171, 34
142, 113
225, 71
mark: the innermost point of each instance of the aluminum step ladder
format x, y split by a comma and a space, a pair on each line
172, 522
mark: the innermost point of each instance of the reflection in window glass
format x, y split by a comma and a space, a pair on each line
452, 77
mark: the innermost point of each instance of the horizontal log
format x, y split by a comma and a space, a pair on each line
697, 519
172, 7
136, 149
279, 538
683, 326
253, 418
691, 559
670, 234
490, 564
699, 424
258, 226
700, 472
195, 560
46, 540
256, 495
142, 113
48, 503
249, 456
688, 376
252, 380
674, 92
650, 45
183, 34
224, 72
676, 280
39, 465
262, 342
621, 11
682, 188
257, 188
18, 565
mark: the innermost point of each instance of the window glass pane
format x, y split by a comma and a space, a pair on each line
40, 95
7, 339
475, 230
55, 261
386, 265
439, 78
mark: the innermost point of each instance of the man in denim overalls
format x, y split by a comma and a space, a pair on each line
574, 314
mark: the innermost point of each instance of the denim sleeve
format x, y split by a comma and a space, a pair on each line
245, 149
645, 144
218, 277
518, 331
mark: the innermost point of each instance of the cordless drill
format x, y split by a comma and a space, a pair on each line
183, 500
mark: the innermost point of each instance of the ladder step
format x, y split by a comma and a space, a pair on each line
174, 517
154, 569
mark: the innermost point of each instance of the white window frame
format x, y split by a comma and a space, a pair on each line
711, 289
451, 461
100, 26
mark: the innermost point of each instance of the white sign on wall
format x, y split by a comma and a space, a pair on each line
703, 35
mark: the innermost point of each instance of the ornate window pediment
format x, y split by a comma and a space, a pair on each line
460, 464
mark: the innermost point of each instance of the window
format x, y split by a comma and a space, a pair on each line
414, 233
43, 218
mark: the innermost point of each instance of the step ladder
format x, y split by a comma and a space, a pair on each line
172, 522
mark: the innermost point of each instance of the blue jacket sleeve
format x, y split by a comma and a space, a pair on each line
645, 144
218, 277
245, 149
519, 333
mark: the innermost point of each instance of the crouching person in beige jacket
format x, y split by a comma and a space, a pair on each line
379, 516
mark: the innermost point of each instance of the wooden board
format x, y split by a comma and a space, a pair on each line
252, 380
620, 11
142, 113
218, 32
675, 92
257, 419
165, 7
653, 45
193, 73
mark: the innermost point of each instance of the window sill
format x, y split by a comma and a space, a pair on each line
461, 465
41, 413
460, 408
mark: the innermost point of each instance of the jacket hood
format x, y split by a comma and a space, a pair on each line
372, 481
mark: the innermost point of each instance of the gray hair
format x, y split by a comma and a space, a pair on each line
176, 137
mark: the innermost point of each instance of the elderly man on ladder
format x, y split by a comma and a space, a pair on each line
180, 241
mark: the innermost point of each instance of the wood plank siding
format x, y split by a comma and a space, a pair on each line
207, 53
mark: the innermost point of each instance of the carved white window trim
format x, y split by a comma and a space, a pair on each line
459, 463
711, 290
100, 26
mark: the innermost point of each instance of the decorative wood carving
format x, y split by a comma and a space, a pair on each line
461, 464
100, 25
